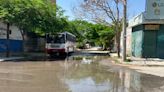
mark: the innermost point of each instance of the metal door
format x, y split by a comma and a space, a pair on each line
150, 44
160, 43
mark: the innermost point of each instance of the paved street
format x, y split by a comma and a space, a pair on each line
81, 46
78, 73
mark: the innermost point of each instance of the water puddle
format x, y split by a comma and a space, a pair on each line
74, 74
89, 76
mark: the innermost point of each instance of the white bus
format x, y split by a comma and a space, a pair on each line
60, 44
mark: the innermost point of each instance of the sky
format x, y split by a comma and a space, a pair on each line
135, 7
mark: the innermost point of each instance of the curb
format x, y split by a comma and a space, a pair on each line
139, 63
10, 58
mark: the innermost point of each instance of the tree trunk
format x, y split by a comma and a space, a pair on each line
8, 40
118, 40
117, 30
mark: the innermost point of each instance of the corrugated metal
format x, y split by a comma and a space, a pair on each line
160, 42
149, 46
137, 41
14, 45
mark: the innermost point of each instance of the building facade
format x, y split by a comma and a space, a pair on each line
15, 39
145, 33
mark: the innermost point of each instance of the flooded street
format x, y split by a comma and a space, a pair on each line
74, 74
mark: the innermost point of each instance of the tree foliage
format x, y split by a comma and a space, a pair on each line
94, 34
106, 12
42, 16
39, 16
100, 11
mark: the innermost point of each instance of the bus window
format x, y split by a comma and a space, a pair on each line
70, 38
49, 39
55, 38
59, 39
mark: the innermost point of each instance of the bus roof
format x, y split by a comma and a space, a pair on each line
67, 33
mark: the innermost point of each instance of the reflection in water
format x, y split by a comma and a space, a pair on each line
97, 78
86, 61
72, 76
87, 85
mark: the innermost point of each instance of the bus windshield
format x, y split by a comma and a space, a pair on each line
56, 38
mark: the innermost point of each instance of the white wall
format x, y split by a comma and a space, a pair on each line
15, 32
155, 9
128, 41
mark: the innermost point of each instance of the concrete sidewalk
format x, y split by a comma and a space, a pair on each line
12, 56
144, 61
153, 66
9, 58
140, 61
21, 56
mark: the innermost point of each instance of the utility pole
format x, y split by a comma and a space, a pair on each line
117, 29
7, 40
124, 29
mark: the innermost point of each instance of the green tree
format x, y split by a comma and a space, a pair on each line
104, 35
106, 12
95, 34
79, 28
39, 16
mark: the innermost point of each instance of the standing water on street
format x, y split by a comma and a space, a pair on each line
74, 74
